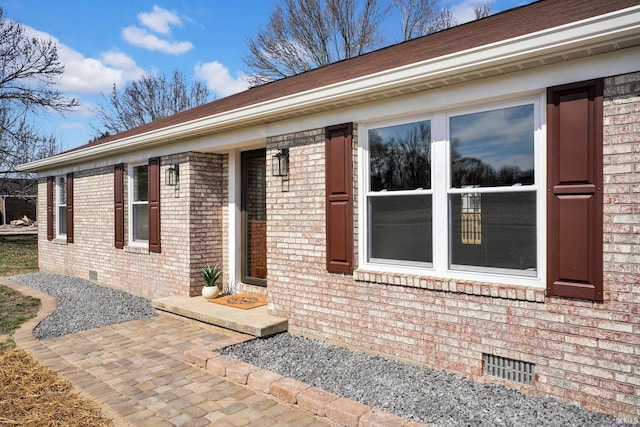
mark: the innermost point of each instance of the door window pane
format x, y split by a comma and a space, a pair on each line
400, 157
400, 228
492, 148
494, 230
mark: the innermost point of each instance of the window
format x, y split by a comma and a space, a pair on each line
399, 198
492, 200
455, 192
139, 205
61, 207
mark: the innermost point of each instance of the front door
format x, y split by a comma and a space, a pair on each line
254, 217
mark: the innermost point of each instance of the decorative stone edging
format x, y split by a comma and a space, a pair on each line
339, 410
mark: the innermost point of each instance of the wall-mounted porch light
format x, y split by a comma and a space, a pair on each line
280, 163
172, 176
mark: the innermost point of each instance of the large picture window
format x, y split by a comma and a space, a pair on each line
139, 204
455, 193
61, 209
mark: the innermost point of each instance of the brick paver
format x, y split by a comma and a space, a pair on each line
165, 371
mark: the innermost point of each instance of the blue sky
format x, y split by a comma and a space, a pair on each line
106, 42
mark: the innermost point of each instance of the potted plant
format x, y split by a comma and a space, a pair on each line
211, 276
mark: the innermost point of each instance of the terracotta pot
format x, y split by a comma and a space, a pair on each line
210, 292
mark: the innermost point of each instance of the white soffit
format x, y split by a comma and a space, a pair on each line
595, 35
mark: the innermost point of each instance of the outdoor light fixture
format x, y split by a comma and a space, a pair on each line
172, 176
280, 163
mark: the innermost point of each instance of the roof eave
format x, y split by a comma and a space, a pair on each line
593, 31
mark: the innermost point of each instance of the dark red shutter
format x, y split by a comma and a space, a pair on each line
339, 185
154, 204
70, 207
118, 201
50, 180
574, 193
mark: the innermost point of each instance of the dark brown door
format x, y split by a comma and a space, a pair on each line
254, 217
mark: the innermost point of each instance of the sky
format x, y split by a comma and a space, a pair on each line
102, 43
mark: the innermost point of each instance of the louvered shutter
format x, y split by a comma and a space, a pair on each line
50, 180
154, 204
339, 198
118, 202
69, 208
574, 193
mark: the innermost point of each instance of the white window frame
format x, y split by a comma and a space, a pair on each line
440, 190
61, 186
131, 203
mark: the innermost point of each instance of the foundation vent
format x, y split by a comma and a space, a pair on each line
508, 369
93, 275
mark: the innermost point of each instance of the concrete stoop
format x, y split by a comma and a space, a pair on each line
338, 410
256, 321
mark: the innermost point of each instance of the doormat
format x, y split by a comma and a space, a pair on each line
243, 301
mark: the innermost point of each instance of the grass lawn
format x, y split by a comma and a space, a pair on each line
31, 394
15, 309
18, 254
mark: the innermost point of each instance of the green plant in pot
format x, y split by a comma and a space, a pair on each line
211, 276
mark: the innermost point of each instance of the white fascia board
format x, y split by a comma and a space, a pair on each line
589, 32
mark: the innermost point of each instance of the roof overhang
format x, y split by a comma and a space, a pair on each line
600, 34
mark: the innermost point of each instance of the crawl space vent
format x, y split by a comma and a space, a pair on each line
508, 369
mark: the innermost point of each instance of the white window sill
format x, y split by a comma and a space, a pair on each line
60, 240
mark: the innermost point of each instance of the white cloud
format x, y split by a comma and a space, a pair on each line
159, 20
142, 38
218, 79
117, 59
90, 75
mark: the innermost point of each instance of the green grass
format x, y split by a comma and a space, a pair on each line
18, 254
15, 309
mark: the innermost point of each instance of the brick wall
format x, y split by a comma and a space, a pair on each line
586, 353
191, 230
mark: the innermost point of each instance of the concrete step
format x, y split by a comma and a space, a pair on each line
256, 321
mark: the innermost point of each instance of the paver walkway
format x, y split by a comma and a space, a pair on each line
136, 372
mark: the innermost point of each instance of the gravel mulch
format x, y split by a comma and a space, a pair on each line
83, 305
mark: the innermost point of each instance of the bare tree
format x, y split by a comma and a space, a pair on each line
149, 98
416, 16
422, 17
443, 21
482, 10
306, 34
29, 69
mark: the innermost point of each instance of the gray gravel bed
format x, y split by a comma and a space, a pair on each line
433, 397
83, 305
